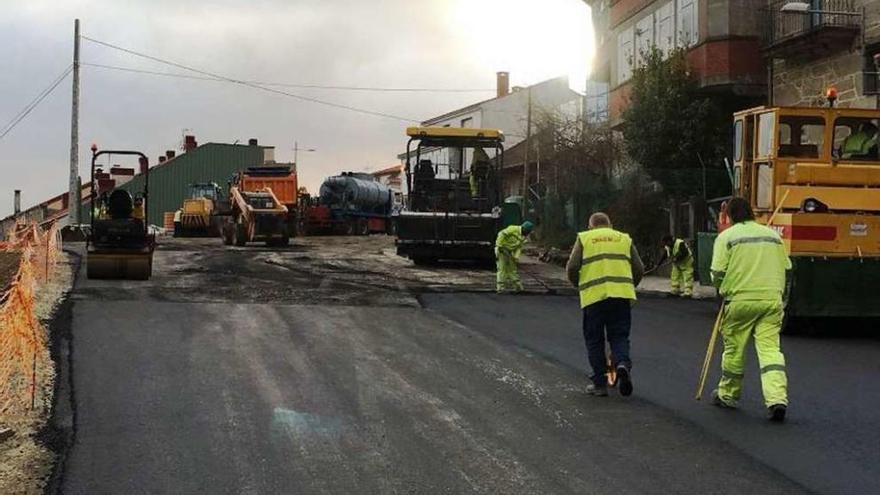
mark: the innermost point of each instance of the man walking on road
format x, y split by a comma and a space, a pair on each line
508, 247
605, 267
682, 277
749, 266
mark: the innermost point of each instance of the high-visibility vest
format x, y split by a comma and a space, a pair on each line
606, 271
511, 239
751, 261
673, 253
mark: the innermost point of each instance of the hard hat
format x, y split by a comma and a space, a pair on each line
528, 226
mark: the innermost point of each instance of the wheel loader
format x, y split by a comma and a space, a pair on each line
119, 245
263, 207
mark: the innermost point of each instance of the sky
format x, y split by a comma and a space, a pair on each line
447, 44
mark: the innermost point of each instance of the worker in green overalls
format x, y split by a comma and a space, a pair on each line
508, 247
681, 279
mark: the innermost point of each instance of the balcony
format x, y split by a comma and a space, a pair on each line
811, 34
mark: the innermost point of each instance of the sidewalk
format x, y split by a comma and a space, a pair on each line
553, 277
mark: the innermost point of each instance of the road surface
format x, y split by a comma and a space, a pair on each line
332, 367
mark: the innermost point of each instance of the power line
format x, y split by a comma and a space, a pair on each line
34, 103
292, 85
249, 84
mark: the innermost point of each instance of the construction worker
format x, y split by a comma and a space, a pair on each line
749, 265
861, 144
605, 266
681, 280
508, 247
138, 210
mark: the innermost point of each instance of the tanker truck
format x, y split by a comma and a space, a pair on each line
348, 204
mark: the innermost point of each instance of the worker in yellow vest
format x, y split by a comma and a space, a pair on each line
749, 265
605, 267
681, 279
508, 248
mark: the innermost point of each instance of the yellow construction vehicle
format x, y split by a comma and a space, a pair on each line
813, 174
198, 215
119, 244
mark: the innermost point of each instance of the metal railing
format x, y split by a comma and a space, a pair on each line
784, 26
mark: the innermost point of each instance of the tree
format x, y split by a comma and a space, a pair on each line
673, 130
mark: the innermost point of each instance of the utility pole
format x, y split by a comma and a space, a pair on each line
525, 185
296, 150
73, 199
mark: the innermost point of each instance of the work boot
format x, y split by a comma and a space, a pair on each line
776, 413
718, 401
595, 391
624, 381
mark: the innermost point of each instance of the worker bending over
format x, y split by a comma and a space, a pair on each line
749, 266
681, 280
508, 247
605, 267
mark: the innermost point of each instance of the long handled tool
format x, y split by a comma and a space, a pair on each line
710, 351
718, 320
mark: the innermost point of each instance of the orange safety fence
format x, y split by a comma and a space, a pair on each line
24, 352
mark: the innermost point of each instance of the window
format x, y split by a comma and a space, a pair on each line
765, 187
801, 137
766, 123
737, 177
688, 23
855, 139
665, 39
644, 39
467, 123
737, 140
624, 55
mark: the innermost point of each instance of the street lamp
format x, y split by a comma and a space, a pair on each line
297, 149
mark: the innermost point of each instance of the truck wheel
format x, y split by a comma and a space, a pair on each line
363, 227
241, 236
228, 233
350, 228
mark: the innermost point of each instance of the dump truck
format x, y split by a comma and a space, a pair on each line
813, 175
119, 244
453, 209
199, 214
263, 207
348, 204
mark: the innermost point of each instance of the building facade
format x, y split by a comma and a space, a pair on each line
723, 39
812, 51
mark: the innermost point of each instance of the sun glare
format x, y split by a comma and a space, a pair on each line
532, 39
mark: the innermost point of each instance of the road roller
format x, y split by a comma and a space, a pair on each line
119, 244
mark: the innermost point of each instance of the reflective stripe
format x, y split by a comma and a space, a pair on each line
751, 240
772, 367
605, 256
731, 375
603, 280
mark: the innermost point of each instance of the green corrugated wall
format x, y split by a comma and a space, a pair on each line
211, 162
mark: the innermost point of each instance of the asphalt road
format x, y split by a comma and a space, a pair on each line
831, 440
311, 371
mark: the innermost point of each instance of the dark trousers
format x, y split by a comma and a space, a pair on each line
607, 318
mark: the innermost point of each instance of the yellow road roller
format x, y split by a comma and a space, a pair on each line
119, 245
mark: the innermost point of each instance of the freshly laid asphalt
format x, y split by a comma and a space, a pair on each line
831, 440
232, 373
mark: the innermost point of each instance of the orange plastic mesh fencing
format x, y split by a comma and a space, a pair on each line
24, 352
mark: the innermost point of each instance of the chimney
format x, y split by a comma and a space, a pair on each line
162, 159
189, 143
16, 205
144, 164
169, 154
502, 83
252, 142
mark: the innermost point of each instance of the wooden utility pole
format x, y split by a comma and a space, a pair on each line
73, 199
525, 184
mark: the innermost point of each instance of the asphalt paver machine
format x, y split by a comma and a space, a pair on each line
453, 209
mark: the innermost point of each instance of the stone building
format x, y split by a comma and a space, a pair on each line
810, 51
722, 37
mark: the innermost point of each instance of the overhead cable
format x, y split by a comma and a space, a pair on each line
34, 103
247, 83
293, 85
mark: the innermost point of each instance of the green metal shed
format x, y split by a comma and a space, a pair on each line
210, 162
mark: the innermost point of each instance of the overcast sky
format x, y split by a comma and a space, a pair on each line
457, 44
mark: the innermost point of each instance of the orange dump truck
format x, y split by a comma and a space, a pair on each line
263, 207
